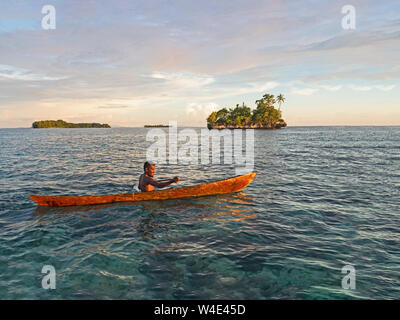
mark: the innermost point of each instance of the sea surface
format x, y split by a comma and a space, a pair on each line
323, 198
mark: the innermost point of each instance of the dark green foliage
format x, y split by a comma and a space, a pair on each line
264, 116
63, 124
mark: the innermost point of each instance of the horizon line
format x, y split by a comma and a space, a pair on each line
189, 126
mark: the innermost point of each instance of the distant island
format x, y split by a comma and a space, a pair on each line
265, 116
62, 124
156, 126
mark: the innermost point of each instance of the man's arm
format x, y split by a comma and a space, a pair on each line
160, 184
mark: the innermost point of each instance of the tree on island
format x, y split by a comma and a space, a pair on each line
264, 116
280, 99
63, 124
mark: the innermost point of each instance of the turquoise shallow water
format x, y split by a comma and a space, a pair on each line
324, 197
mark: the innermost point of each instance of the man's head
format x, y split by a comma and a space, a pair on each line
149, 169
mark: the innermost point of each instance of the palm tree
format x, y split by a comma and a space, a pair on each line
280, 99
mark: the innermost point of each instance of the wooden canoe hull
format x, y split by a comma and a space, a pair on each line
230, 185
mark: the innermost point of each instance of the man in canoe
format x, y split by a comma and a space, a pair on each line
146, 181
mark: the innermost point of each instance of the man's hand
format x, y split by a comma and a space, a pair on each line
176, 179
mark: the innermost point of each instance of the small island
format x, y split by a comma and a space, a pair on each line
156, 126
63, 124
265, 116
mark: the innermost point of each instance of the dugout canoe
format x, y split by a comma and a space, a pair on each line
230, 185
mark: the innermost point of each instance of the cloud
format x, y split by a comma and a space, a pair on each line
385, 88
368, 88
183, 85
15, 73
229, 91
305, 91
265, 86
334, 88
331, 88
184, 79
111, 106
196, 109
361, 88
354, 39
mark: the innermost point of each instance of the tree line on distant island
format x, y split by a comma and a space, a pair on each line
156, 125
264, 116
63, 124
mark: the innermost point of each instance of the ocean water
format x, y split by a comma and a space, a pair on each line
323, 198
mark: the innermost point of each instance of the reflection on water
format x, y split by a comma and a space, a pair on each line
178, 204
230, 208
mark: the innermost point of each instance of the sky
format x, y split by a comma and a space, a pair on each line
130, 63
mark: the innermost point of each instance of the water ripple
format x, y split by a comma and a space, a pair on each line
323, 198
